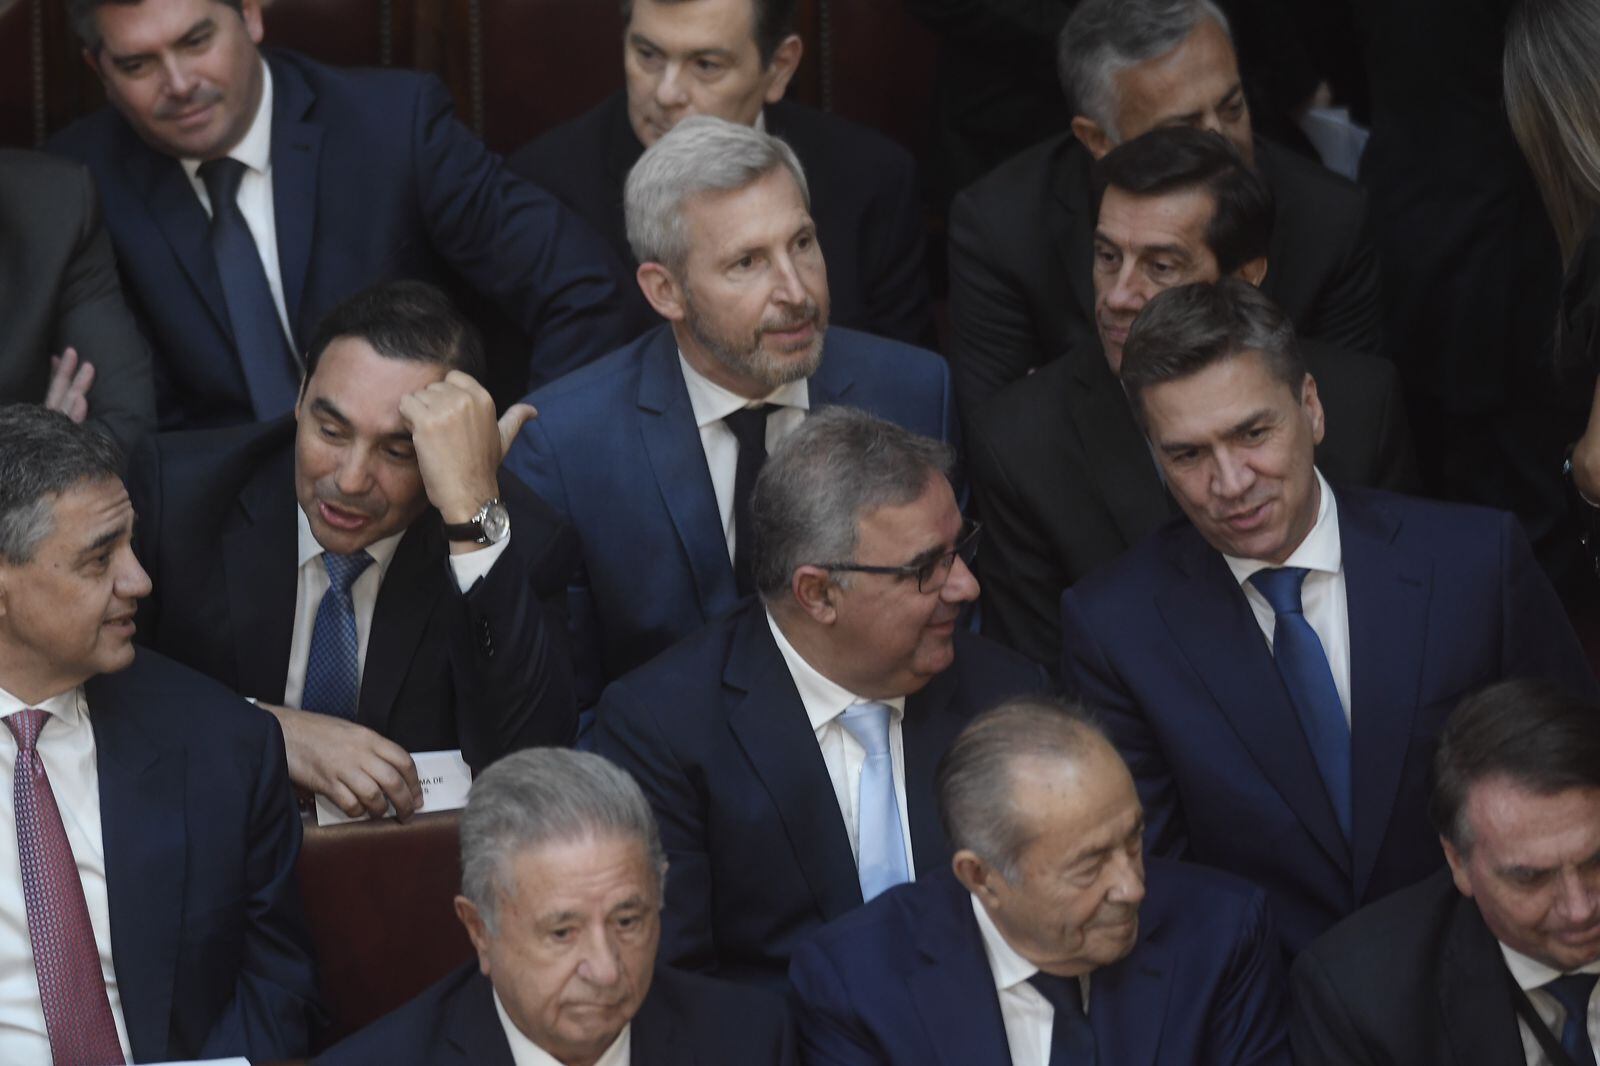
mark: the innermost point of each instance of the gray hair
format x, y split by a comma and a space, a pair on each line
1102, 38
700, 154
812, 493
544, 796
42, 455
975, 778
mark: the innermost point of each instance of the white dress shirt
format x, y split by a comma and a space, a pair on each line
525, 1052
255, 195
711, 404
468, 567
1029, 1018
66, 744
1322, 596
1530, 974
843, 754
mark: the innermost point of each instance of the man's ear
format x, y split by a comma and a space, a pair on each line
1254, 272
814, 590
477, 930
1091, 136
1458, 867
779, 72
89, 61
662, 291
977, 875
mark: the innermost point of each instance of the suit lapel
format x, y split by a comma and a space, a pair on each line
176, 212
953, 989
654, 1040
1387, 594
473, 1026
258, 562
296, 153
1475, 994
406, 600
1072, 223
929, 728
1128, 1000
770, 724
1211, 623
142, 819
832, 382
1119, 459
672, 442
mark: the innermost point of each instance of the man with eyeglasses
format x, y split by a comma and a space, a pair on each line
789, 749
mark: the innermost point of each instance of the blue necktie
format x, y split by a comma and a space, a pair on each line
1071, 1039
882, 861
271, 373
333, 668
1573, 992
1304, 666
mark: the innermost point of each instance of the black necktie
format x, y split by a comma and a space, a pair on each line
271, 373
749, 426
1071, 1039
1573, 992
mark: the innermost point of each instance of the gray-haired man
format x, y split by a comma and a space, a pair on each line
561, 875
788, 749
1022, 238
651, 452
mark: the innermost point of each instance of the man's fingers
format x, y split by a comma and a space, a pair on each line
511, 423
395, 788
83, 378
342, 798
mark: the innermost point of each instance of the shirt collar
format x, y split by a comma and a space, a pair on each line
1009, 968
525, 1052
1531, 973
382, 551
824, 700
1320, 550
67, 706
254, 149
712, 403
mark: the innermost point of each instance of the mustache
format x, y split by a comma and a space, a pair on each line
200, 97
803, 316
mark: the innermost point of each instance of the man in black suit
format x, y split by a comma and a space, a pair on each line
733, 59
789, 748
1495, 960
561, 883
1064, 478
1021, 292
363, 571
248, 192
149, 910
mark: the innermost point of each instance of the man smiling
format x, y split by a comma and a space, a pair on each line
1276, 667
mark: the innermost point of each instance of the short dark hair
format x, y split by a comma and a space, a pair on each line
1534, 732
81, 14
43, 454
1179, 158
774, 21
1186, 329
409, 320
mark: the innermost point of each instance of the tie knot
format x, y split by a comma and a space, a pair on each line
222, 178
1063, 993
749, 425
1280, 587
25, 726
869, 724
344, 569
1573, 991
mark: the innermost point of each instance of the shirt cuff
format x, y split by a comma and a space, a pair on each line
470, 566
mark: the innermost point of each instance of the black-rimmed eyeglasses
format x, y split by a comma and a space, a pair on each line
932, 574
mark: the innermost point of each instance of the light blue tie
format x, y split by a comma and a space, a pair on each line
333, 667
882, 863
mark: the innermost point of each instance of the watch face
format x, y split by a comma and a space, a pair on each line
496, 522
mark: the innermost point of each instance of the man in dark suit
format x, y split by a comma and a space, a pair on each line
1049, 938
1276, 668
150, 906
788, 749
362, 570
733, 59
66, 337
1495, 961
1021, 289
561, 879
1064, 479
330, 181
641, 452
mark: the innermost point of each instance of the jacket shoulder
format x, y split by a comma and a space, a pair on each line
576, 145
1013, 192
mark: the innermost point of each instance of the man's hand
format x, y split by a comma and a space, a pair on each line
358, 770
69, 385
459, 443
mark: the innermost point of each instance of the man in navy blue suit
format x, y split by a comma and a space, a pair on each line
642, 452
788, 749
247, 194
148, 901
561, 877
1049, 938
1276, 667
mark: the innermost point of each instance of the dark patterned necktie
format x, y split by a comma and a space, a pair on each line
1071, 1039
72, 989
749, 427
1573, 992
333, 666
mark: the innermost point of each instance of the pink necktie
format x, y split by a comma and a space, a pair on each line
72, 991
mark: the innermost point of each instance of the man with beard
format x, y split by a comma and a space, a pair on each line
362, 570
651, 453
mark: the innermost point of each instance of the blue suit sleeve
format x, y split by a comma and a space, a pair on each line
1248, 1016
830, 1032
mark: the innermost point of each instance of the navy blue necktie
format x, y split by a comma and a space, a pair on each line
749, 428
1573, 992
271, 373
1071, 1039
1303, 664
333, 668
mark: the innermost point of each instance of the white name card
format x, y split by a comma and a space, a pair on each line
445, 783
